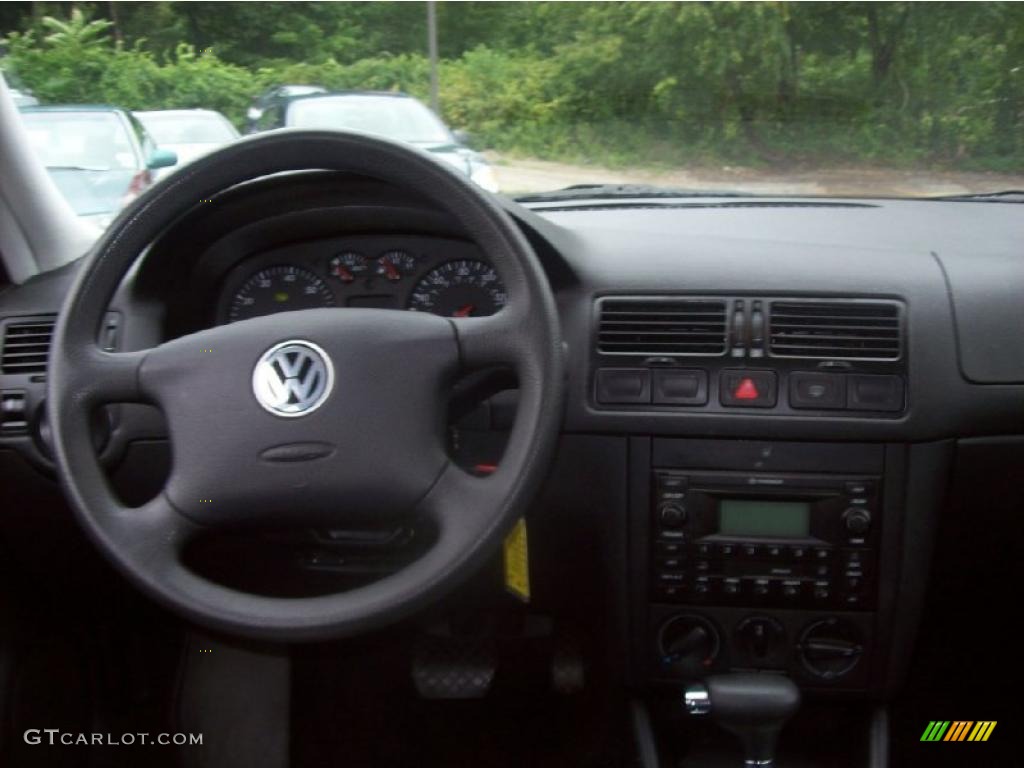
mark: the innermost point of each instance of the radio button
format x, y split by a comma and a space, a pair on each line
751, 550
761, 587
822, 590
669, 548
798, 553
731, 586
822, 553
726, 550
670, 563
821, 570
704, 549
673, 578
702, 586
854, 583
791, 589
672, 594
703, 565
774, 551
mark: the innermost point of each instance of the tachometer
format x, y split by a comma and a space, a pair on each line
279, 289
463, 288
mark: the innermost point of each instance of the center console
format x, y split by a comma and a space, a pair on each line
761, 556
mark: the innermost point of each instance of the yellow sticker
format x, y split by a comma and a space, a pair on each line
517, 562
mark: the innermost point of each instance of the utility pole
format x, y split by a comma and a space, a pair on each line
435, 102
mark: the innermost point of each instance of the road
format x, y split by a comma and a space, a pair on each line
524, 175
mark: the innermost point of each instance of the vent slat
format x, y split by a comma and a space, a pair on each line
26, 346
858, 330
662, 327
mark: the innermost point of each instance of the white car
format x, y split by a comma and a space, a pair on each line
189, 133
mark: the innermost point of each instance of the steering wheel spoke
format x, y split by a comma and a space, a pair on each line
99, 377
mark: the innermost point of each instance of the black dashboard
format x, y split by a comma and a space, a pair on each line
818, 359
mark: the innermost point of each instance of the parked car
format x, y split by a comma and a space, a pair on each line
276, 95
23, 98
100, 157
390, 114
189, 133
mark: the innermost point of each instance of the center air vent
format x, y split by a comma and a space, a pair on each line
662, 327
26, 345
850, 330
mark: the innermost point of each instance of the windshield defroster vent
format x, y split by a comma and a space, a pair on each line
26, 345
666, 326
845, 330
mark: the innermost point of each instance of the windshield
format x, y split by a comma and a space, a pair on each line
93, 141
199, 128
396, 118
888, 99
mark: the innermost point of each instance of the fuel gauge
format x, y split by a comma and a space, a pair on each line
394, 265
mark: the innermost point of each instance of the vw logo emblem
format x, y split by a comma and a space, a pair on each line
293, 378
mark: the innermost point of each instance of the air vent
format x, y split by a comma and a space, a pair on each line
662, 327
846, 330
26, 345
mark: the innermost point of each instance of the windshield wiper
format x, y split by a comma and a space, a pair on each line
77, 168
1004, 196
620, 191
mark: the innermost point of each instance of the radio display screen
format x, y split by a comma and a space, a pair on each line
760, 517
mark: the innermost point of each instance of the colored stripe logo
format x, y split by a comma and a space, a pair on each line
958, 730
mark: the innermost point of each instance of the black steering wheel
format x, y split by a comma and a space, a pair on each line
333, 415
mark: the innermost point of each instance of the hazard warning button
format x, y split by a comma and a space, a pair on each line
750, 388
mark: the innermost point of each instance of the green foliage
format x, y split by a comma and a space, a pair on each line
938, 84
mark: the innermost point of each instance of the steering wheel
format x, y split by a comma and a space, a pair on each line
328, 415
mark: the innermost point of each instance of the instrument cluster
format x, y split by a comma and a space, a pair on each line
423, 274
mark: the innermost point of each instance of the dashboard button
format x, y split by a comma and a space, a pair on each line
817, 390
623, 385
680, 387
731, 586
747, 388
874, 393
669, 548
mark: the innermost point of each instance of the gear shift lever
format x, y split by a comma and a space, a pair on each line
752, 706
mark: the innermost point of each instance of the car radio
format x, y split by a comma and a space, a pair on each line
780, 540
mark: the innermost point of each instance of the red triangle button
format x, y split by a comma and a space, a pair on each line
746, 390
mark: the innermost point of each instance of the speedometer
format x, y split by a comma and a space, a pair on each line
463, 288
279, 289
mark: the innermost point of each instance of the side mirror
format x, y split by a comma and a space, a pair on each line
161, 158
462, 137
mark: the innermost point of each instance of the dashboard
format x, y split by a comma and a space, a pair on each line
728, 360
442, 276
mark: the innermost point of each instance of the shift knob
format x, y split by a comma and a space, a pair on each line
752, 706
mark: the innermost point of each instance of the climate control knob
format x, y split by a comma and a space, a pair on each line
830, 648
688, 644
857, 521
762, 641
671, 514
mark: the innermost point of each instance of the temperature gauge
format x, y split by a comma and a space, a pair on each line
394, 265
348, 266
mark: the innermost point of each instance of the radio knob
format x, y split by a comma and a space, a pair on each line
672, 515
857, 520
